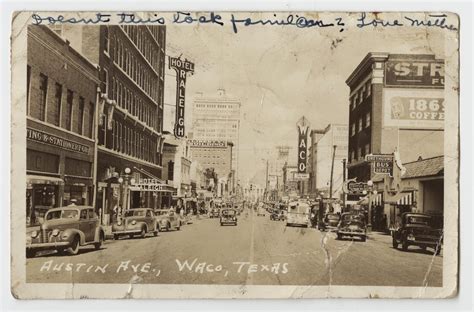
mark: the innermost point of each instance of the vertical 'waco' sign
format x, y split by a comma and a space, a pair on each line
303, 126
182, 68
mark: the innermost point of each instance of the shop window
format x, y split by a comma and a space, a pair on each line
39, 200
75, 194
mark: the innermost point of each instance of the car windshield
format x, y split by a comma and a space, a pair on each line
352, 217
229, 212
161, 212
422, 220
135, 213
333, 217
63, 214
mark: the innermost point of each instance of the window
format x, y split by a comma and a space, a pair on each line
91, 119
80, 121
43, 95
28, 83
356, 96
367, 149
68, 114
360, 153
106, 40
360, 124
106, 81
369, 88
367, 120
56, 108
353, 129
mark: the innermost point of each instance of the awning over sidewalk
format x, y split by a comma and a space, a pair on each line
39, 179
401, 199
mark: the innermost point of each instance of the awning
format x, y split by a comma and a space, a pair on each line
39, 179
401, 199
376, 200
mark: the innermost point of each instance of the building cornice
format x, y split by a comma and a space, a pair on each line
365, 64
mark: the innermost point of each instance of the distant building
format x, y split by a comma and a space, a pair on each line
217, 118
314, 137
61, 92
177, 165
395, 101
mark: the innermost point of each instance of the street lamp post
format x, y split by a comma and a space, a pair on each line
371, 192
124, 180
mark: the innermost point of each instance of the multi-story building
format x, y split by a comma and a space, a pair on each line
132, 61
177, 165
60, 103
395, 102
314, 137
217, 118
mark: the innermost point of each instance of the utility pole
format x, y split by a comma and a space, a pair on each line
332, 169
344, 181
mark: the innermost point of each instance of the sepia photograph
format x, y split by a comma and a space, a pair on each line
206, 154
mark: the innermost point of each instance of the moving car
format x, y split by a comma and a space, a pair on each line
298, 214
137, 221
228, 216
275, 215
331, 221
352, 225
214, 213
261, 210
65, 229
418, 229
167, 220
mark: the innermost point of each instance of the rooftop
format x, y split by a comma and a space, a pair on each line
425, 167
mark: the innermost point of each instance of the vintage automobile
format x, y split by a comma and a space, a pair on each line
331, 221
167, 220
65, 229
261, 211
418, 229
352, 225
136, 221
214, 213
275, 215
228, 216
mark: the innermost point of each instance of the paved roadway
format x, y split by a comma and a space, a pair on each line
257, 251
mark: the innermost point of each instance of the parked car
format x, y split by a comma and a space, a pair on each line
418, 229
65, 229
167, 220
275, 215
214, 213
352, 225
228, 216
137, 221
261, 210
331, 221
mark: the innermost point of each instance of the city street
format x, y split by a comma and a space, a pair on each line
257, 251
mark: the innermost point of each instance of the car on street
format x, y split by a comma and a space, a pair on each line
167, 220
275, 215
261, 210
298, 213
228, 216
65, 229
352, 225
331, 221
136, 222
214, 213
418, 229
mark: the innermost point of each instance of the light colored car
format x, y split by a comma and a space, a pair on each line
137, 221
168, 220
65, 229
228, 216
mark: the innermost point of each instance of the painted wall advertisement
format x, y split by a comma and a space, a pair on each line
429, 73
414, 108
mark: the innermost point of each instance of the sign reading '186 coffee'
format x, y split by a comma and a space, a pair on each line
182, 68
302, 144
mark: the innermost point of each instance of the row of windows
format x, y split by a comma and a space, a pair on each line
364, 92
213, 106
357, 127
360, 153
148, 46
134, 104
47, 105
127, 140
136, 69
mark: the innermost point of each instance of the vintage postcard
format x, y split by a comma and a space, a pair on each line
234, 155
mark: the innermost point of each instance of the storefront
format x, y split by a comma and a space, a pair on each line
59, 170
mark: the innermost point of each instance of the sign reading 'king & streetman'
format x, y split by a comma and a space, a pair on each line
182, 68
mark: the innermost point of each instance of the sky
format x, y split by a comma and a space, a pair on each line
281, 74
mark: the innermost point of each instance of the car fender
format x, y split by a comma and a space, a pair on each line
141, 224
72, 233
98, 231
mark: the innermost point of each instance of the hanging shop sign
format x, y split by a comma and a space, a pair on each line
182, 67
352, 187
381, 163
302, 126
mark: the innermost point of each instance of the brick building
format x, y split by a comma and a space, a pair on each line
61, 99
130, 127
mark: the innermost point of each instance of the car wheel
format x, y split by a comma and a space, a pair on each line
404, 246
178, 228
99, 243
130, 236
74, 248
437, 250
339, 236
30, 253
222, 224
155, 233
143, 232
116, 237
394, 243
363, 238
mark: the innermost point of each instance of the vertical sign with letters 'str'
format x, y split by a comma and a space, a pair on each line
182, 68
302, 126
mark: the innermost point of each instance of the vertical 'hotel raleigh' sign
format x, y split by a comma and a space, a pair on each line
303, 126
182, 68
